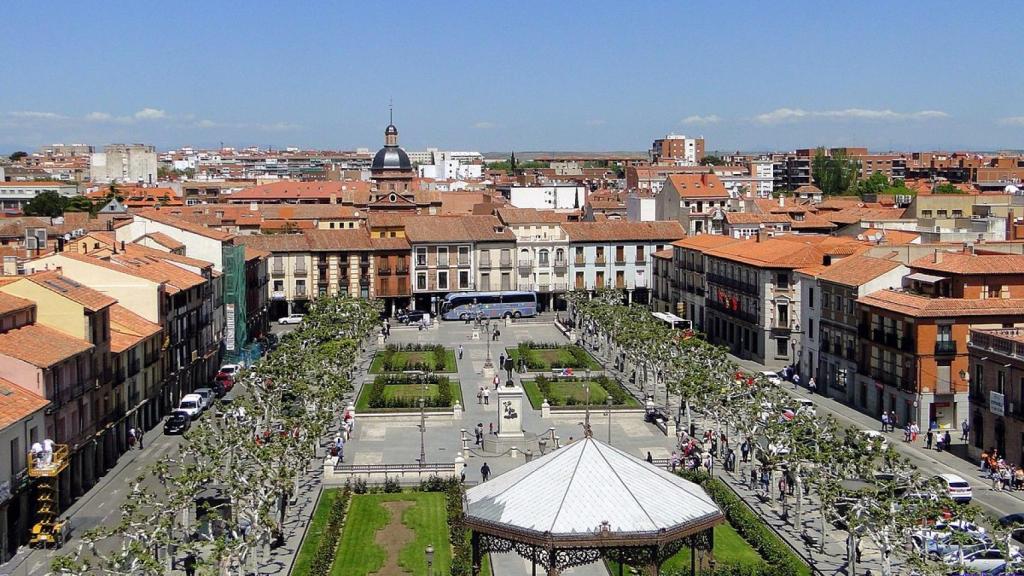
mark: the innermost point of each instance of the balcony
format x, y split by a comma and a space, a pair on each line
600, 261
384, 271
945, 347
560, 265
402, 270
559, 287
525, 265
542, 287
505, 262
850, 353
620, 260
580, 261
277, 271
300, 293
278, 295
825, 347
133, 366
464, 261
728, 311
485, 263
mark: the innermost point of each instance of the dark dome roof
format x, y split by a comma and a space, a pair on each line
391, 130
391, 158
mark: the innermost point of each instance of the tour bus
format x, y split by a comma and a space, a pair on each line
466, 305
673, 321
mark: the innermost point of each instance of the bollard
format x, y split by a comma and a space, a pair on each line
457, 411
465, 440
513, 452
545, 409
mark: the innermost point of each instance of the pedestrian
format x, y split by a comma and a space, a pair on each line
796, 381
497, 381
460, 351
131, 438
189, 563
490, 428
501, 361
674, 460
485, 471
906, 433
487, 397
745, 449
928, 440
138, 436
946, 439
965, 429
893, 421
480, 395
885, 421
812, 385
463, 473
650, 459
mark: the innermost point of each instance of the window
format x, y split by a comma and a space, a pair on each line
620, 279
543, 257
442, 279
463, 255
945, 333
464, 283
599, 281
421, 280
600, 254
782, 280
958, 213
620, 254
839, 303
16, 456
810, 298
579, 281
300, 287
559, 255
639, 254
1001, 382
442, 258
421, 256
810, 328
780, 346
994, 291
579, 255
783, 315
926, 213
485, 281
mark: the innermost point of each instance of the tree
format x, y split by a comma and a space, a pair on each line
946, 188
712, 160
49, 203
874, 184
78, 204
835, 174
18, 155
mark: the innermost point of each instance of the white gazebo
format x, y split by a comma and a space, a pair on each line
586, 501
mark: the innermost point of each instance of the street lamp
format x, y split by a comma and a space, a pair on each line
608, 400
423, 429
429, 553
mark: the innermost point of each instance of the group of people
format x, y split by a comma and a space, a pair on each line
483, 394
385, 329
42, 453
479, 432
345, 429
135, 437
1004, 476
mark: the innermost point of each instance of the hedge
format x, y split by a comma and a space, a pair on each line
778, 558
324, 557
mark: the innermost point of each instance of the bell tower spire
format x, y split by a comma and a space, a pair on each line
391, 133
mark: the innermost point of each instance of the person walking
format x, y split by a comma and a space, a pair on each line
138, 437
480, 395
497, 381
965, 430
189, 564
460, 351
745, 449
885, 421
485, 471
893, 421
501, 361
796, 381
487, 397
650, 459
906, 433
928, 440
490, 428
812, 385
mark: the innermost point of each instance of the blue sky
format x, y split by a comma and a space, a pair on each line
526, 76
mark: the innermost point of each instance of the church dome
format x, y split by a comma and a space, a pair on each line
391, 158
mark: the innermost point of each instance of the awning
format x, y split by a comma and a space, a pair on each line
926, 278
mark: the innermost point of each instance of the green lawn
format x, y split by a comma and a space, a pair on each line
359, 553
409, 391
561, 391
402, 358
315, 531
557, 357
730, 548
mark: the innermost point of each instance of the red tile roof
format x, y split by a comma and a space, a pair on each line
16, 403
164, 217
127, 329
41, 346
57, 283
10, 304
702, 242
624, 231
972, 264
702, 185
165, 240
925, 307
857, 270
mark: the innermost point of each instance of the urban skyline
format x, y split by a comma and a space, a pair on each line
484, 78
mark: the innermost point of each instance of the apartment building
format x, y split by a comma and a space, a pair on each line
689, 260
677, 149
617, 254
996, 392
15, 195
124, 163
541, 253
22, 423
829, 346
664, 286
697, 201
652, 178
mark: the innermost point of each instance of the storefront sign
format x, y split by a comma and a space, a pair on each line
229, 327
995, 403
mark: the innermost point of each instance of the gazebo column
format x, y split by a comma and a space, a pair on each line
475, 542
654, 567
553, 569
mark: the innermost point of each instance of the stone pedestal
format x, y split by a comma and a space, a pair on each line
573, 337
545, 409
380, 339
488, 373
476, 334
457, 411
510, 412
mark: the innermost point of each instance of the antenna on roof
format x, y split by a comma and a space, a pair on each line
391, 110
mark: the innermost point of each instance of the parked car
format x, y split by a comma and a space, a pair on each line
218, 388
957, 488
178, 422
1011, 520
772, 377
207, 396
291, 319
983, 559
229, 370
225, 381
191, 404
411, 316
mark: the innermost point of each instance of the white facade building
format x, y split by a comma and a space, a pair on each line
552, 197
124, 163
641, 208
448, 166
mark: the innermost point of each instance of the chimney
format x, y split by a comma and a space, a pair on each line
937, 258
122, 245
761, 235
1010, 229
782, 201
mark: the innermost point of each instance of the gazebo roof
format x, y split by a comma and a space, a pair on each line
567, 495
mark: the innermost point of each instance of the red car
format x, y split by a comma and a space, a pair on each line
225, 380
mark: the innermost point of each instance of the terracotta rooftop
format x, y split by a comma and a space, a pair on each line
275, 243
164, 217
17, 403
925, 307
510, 215
891, 237
703, 185
750, 218
807, 189
857, 270
344, 192
128, 329
788, 252
702, 242
165, 240
623, 231
456, 229
665, 254
55, 282
41, 346
962, 263
10, 304
338, 240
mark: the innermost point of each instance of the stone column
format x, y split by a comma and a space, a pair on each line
553, 569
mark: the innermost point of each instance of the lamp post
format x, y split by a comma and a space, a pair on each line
429, 553
423, 429
608, 401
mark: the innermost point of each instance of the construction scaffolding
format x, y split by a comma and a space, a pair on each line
236, 328
45, 468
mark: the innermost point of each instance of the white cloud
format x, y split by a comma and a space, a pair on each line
98, 117
701, 120
596, 122
484, 125
1012, 121
783, 115
150, 114
275, 127
37, 115
207, 124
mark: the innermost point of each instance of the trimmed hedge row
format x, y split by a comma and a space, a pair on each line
458, 536
328, 546
443, 399
389, 357
778, 558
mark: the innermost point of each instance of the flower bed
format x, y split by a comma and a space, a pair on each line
545, 356
562, 392
402, 391
408, 357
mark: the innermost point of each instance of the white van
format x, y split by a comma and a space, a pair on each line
191, 404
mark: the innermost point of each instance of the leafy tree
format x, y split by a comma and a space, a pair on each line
17, 155
834, 174
49, 203
874, 184
946, 188
712, 160
78, 204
